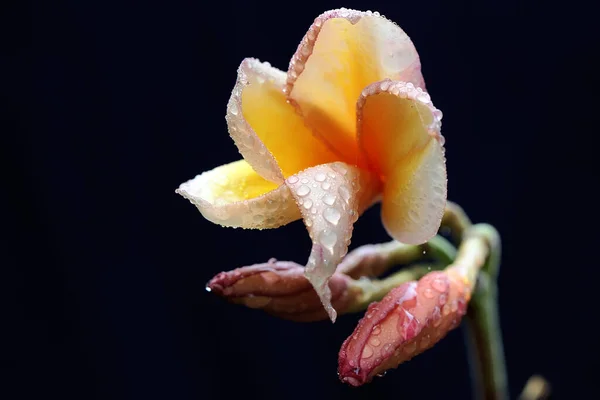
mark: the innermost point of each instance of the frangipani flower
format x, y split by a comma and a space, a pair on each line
350, 124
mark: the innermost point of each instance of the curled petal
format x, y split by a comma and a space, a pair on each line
342, 52
235, 195
330, 197
410, 319
266, 129
399, 132
280, 288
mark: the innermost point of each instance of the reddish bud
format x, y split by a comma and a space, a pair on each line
280, 288
410, 319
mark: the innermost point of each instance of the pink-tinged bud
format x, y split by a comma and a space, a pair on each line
410, 319
280, 288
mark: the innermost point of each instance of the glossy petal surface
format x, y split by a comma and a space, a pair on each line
399, 131
342, 53
330, 197
415, 195
266, 129
235, 195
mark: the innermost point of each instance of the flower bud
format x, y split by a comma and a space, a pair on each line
280, 288
410, 319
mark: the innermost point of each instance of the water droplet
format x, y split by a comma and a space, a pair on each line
443, 299
388, 348
329, 199
381, 374
331, 174
454, 306
248, 140
446, 309
439, 284
345, 193
425, 342
375, 342
303, 190
304, 180
328, 238
376, 330
258, 217
320, 177
293, 179
208, 289
332, 215
367, 352
428, 293
233, 108
308, 204
326, 185
436, 317
412, 214
410, 348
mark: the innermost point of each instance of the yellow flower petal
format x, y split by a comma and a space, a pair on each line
399, 131
267, 130
235, 195
330, 197
343, 52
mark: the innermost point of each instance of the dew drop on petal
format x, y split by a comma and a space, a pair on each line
345, 193
329, 199
443, 299
367, 352
439, 284
303, 190
428, 293
454, 306
233, 108
320, 177
308, 204
388, 348
332, 215
425, 342
376, 330
328, 238
410, 348
375, 342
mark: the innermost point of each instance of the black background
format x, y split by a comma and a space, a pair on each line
111, 105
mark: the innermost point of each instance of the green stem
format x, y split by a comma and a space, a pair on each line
484, 336
456, 220
438, 248
375, 290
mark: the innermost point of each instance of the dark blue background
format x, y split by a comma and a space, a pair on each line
111, 105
